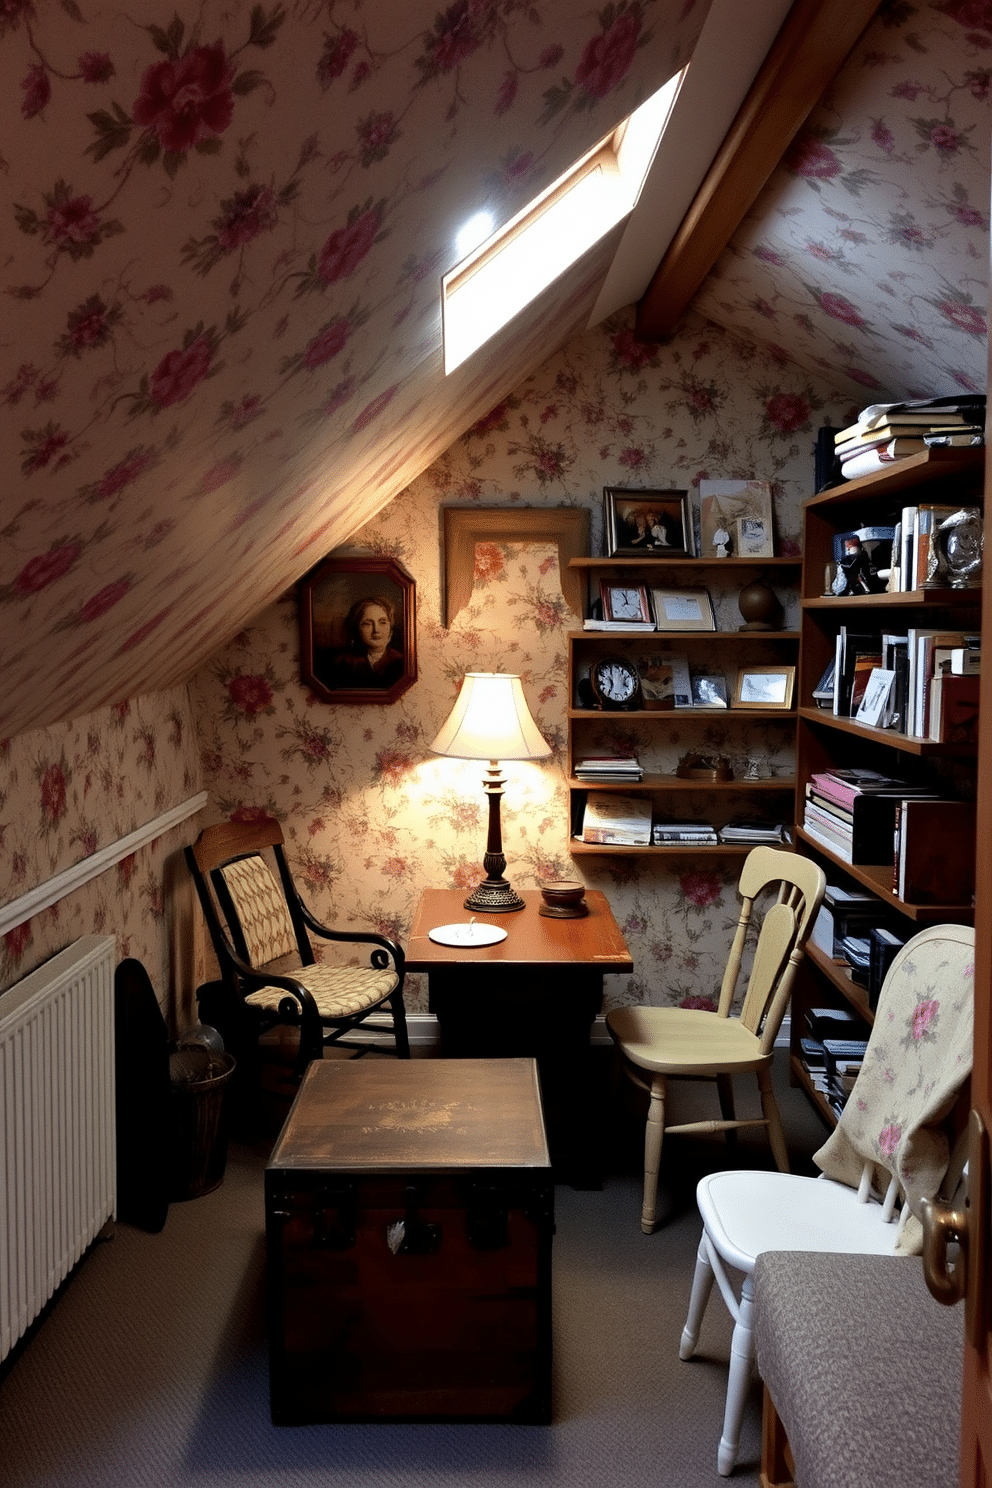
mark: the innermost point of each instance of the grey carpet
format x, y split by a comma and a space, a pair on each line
151, 1367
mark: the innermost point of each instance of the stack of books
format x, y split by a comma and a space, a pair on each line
887, 432
618, 767
831, 1051
844, 1058
669, 832
844, 912
617, 821
853, 812
755, 832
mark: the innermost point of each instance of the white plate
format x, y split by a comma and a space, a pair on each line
467, 935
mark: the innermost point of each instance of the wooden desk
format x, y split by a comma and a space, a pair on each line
535, 994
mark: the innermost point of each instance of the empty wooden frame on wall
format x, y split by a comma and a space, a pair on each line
462, 527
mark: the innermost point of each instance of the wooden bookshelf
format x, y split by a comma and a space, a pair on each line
825, 741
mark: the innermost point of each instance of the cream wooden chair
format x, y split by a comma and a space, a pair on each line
657, 1043
894, 1145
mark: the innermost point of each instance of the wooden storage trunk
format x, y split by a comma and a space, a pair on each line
409, 1216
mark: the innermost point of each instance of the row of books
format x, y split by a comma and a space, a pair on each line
885, 433
629, 821
832, 1049
925, 683
863, 817
916, 550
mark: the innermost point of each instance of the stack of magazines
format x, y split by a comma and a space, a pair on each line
618, 821
609, 767
755, 832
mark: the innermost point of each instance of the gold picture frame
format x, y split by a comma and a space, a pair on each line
764, 687
682, 609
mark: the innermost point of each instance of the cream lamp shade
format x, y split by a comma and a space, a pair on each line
491, 721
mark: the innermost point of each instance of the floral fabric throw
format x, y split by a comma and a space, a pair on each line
919, 1055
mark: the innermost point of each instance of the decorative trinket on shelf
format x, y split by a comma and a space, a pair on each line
693, 766
955, 559
759, 607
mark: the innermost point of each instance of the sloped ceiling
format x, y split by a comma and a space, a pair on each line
224, 230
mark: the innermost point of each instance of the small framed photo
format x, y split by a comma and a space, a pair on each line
625, 603
665, 682
754, 537
874, 702
358, 632
656, 523
709, 691
683, 609
764, 687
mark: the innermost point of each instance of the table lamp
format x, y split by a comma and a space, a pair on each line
491, 721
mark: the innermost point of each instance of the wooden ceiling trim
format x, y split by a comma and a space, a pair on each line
815, 40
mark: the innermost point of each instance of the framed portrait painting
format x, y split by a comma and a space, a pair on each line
358, 630
657, 524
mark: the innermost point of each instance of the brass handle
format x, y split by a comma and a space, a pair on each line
970, 1228
942, 1228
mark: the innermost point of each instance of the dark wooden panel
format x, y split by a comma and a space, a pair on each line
405, 1292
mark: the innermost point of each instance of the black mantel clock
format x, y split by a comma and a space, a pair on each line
615, 683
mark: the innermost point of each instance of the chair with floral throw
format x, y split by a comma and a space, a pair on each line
659, 1043
260, 929
893, 1143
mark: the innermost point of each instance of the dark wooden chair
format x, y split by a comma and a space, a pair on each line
261, 929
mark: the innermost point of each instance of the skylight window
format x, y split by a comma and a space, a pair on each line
497, 279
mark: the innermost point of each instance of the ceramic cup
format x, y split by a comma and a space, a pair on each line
564, 895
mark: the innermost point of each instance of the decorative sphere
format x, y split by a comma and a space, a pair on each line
758, 606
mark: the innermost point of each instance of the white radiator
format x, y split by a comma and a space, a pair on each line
58, 1164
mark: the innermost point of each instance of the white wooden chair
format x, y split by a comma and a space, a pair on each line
656, 1044
891, 1146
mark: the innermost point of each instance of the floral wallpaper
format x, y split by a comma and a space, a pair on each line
225, 225
67, 792
220, 360
867, 255
372, 817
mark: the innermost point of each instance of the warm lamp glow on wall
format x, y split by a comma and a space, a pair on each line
491, 721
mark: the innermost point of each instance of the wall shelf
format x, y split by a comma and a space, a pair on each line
717, 652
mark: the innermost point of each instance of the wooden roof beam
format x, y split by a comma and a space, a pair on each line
814, 42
